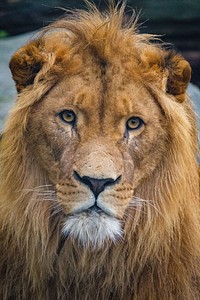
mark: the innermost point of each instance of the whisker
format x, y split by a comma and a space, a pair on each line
136, 208
40, 187
137, 201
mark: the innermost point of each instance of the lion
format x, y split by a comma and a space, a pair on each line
99, 183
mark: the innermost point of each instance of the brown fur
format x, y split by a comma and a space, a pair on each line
106, 72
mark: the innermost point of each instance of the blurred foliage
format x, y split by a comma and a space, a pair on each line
3, 33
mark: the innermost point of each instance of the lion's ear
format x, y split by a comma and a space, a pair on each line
26, 63
179, 75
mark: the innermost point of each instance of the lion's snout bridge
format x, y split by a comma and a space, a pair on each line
96, 185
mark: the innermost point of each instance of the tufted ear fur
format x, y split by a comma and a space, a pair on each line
179, 74
44, 59
26, 63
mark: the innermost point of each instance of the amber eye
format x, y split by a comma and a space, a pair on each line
134, 123
67, 116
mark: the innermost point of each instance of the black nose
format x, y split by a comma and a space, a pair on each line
96, 185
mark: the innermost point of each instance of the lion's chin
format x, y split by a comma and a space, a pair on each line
93, 228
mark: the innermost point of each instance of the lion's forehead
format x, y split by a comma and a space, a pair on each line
98, 95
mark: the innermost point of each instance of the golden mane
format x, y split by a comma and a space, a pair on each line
159, 255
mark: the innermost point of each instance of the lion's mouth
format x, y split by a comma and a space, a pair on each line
95, 210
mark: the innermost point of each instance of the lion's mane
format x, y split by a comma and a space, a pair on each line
159, 255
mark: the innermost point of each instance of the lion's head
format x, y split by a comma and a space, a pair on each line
101, 144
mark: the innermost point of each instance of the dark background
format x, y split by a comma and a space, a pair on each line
178, 21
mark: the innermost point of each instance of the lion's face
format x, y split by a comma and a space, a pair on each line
97, 142
96, 101
100, 148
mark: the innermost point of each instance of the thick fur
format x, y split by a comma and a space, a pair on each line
149, 245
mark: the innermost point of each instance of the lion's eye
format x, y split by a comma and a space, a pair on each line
134, 123
67, 116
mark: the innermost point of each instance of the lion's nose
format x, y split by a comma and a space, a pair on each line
95, 184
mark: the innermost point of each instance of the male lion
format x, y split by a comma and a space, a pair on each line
99, 178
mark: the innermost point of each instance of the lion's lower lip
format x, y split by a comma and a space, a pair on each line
95, 208
93, 211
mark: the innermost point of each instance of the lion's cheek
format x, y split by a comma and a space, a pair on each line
45, 160
57, 158
147, 155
